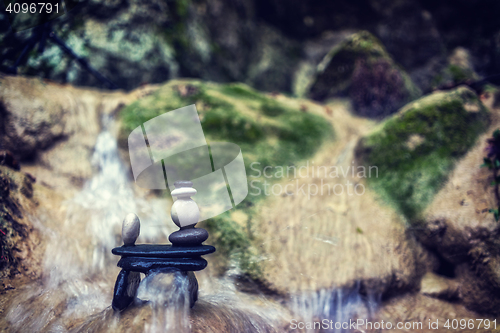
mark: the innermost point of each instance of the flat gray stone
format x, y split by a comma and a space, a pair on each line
188, 237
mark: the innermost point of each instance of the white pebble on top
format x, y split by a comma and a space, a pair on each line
185, 212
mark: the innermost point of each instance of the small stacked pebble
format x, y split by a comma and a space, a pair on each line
185, 214
183, 255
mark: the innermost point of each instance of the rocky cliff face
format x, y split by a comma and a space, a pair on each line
256, 42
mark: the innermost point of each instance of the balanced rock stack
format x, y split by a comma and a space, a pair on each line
183, 255
185, 214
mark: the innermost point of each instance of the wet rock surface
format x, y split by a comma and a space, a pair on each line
125, 290
144, 265
158, 259
169, 287
188, 237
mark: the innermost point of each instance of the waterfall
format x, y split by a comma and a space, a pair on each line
335, 306
79, 272
79, 269
168, 297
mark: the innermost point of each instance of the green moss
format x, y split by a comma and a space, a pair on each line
303, 132
242, 91
235, 113
223, 123
272, 108
235, 243
416, 149
268, 106
458, 74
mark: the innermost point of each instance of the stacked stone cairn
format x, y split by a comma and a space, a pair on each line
184, 255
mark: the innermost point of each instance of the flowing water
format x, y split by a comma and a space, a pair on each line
75, 292
79, 267
337, 307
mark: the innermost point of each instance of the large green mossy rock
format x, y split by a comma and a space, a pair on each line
361, 68
268, 131
416, 149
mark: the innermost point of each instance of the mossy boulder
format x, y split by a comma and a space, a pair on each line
361, 68
459, 225
268, 131
416, 149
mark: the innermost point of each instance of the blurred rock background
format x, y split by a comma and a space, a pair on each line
336, 83
271, 45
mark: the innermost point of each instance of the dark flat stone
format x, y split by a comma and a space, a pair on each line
162, 251
120, 297
144, 265
188, 237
